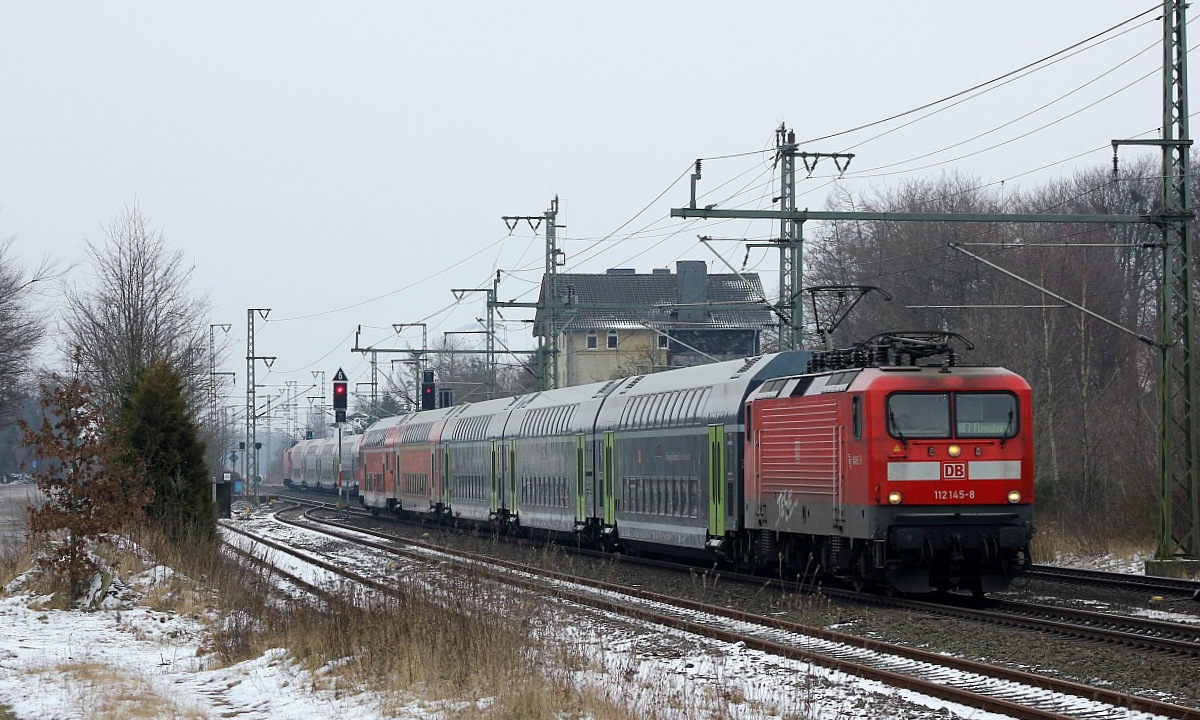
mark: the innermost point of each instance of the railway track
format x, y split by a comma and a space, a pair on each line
1164, 636
1124, 581
975, 684
1172, 638
1105, 628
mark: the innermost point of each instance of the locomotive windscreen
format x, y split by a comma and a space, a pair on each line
919, 415
975, 415
979, 415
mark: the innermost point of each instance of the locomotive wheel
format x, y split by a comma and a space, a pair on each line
860, 576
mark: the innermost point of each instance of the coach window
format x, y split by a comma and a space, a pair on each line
612, 339
592, 343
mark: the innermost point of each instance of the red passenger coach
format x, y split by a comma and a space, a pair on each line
378, 487
889, 469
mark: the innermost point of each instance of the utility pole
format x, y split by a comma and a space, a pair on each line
374, 384
374, 363
250, 458
550, 304
459, 293
212, 370
491, 337
1179, 547
418, 357
289, 408
1179, 536
791, 233
319, 406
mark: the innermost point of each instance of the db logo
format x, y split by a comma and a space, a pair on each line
954, 471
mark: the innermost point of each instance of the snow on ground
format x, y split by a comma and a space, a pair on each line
133, 661
127, 660
1135, 564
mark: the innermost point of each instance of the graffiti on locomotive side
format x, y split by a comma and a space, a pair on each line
785, 507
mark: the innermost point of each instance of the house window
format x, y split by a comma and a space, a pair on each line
662, 341
591, 340
612, 339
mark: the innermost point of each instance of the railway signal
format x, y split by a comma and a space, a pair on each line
428, 391
339, 396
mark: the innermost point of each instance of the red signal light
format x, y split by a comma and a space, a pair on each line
428, 392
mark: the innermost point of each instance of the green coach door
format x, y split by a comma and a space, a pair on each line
716, 481
580, 471
610, 482
494, 485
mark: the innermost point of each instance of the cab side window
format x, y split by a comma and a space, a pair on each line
856, 419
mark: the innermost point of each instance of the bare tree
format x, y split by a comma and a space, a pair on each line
138, 312
1094, 386
22, 328
466, 373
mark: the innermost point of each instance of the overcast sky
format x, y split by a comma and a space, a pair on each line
347, 164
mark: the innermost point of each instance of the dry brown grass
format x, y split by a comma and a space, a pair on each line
449, 644
1051, 543
102, 692
15, 558
1047, 544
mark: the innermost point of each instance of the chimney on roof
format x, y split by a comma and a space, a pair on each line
661, 271
691, 282
622, 271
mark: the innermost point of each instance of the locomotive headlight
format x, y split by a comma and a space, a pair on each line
1014, 496
894, 498
954, 450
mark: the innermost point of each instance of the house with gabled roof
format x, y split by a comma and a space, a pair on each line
624, 323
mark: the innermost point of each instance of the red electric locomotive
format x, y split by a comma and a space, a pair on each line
891, 465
